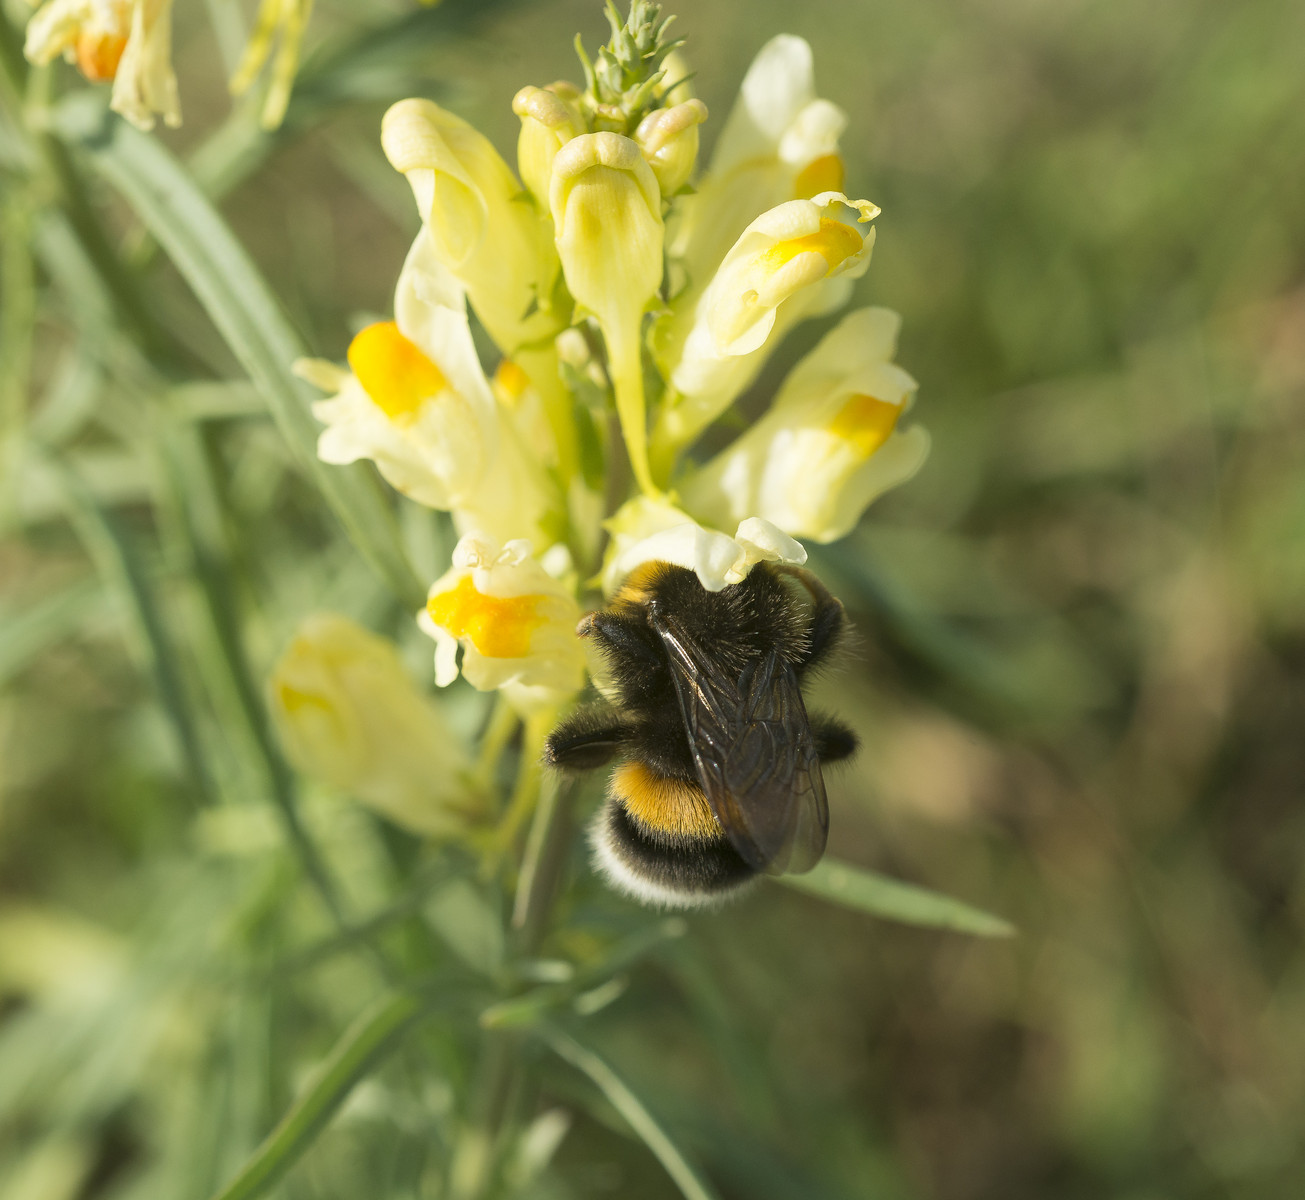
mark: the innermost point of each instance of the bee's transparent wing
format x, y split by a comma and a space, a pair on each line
754, 753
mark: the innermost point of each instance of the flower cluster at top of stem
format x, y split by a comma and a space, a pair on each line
630, 312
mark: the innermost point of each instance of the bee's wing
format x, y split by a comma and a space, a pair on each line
754, 753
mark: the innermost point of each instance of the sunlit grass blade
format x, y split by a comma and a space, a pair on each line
364, 1046
244, 310
880, 896
686, 1177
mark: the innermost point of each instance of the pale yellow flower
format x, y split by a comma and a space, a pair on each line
417, 403
514, 622
607, 218
646, 529
127, 41
830, 443
483, 227
795, 261
487, 232
349, 715
779, 142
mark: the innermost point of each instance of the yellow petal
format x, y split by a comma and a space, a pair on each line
823, 174
866, 422
498, 627
393, 371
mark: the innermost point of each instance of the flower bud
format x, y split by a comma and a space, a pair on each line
514, 622
668, 138
607, 219
652, 530
830, 443
349, 715
547, 124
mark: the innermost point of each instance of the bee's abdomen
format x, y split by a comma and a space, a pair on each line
664, 808
657, 840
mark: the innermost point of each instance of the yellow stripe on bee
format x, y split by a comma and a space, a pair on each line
498, 626
394, 372
663, 805
638, 585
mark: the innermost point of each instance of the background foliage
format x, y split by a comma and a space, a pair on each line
1079, 676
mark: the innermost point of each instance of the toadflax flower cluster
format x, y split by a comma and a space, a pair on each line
632, 300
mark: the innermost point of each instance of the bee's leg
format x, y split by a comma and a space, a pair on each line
827, 619
626, 639
588, 738
834, 740
827, 623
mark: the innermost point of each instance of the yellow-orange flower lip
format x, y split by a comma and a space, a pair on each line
865, 421
394, 371
497, 626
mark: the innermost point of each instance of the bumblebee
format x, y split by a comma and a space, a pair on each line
719, 764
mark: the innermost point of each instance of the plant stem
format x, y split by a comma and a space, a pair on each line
471, 1171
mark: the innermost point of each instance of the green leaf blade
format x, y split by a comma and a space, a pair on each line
244, 310
635, 1113
881, 896
361, 1049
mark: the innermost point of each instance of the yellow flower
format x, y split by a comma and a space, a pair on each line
830, 443
417, 404
514, 622
349, 715
779, 143
794, 261
495, 242
128, 41
607, 218
653, 530
483, 227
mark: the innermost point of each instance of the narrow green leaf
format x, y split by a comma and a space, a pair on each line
119, 564
25, 634
244, 310
881, 896
686, 1177
364, 1046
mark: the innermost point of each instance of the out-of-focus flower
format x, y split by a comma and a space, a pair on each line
514, 622
127, 41
652, 530
794, 261
417, 403
829, 444
607, 218
288, 19
348, 714
780, 142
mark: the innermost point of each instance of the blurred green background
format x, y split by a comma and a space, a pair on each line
1079, 676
